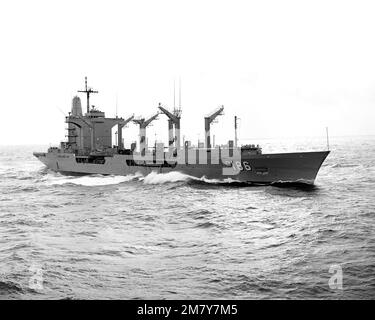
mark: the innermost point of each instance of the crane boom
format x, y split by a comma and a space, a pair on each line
207, 124
169, 114
88, 122
174, 119
143, 124
121, 124
149, 120
213, 115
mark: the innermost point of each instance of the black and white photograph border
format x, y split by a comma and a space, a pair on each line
187, 150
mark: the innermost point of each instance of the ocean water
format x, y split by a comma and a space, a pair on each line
169, 236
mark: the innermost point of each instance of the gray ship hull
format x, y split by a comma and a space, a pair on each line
301, 167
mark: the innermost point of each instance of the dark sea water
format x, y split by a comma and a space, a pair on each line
173, 237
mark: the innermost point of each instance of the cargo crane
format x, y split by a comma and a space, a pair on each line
143, 124
174, 120
120, 125
207, 124
89, 150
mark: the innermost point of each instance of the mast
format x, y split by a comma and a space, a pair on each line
116, 106
179, 93
174, 94
235, 131
88, 91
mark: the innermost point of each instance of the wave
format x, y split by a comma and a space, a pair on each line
176, 176
153, 178
161, 178
228, 182
9, 287
295, 185
205, 225
102, 180
93, 180
340, 165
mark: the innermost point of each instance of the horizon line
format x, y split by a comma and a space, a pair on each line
243, 139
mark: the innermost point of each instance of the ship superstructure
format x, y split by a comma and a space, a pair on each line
89, 149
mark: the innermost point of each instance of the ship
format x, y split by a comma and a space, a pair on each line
89, 149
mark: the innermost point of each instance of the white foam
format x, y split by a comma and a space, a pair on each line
151, 178
160, 178
217, 181
93, 180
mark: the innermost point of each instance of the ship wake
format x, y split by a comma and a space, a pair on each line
91, 180
161, 178
153, 178
176, 176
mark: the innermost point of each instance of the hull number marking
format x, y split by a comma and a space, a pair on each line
238, 166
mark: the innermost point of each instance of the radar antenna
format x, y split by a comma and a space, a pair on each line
88, 91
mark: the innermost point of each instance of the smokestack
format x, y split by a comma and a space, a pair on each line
76, 106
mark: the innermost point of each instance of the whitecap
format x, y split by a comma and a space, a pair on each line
160, 178
93, 180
